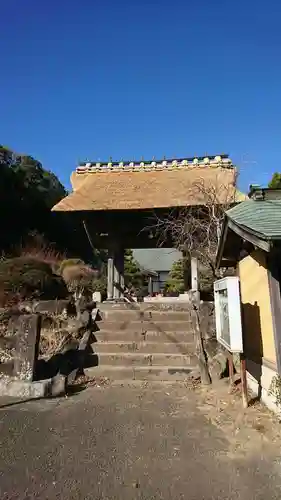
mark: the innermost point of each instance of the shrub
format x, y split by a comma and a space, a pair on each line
36, 247
100, 285
29, 278
174, 286
80, 278
70, 263
206, 279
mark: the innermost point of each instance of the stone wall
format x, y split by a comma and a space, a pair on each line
43, 341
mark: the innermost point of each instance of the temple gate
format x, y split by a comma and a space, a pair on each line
119, 201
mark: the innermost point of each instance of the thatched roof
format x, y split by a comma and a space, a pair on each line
156, 185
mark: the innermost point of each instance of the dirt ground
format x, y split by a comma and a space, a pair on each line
249, 430
140, 441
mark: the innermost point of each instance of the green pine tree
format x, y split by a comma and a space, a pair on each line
275, 182
176, 279
133, 275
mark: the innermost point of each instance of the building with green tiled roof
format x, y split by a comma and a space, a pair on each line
256, 220
251, 242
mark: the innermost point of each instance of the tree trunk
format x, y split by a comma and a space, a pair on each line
200, 353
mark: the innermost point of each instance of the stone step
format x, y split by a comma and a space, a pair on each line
137, 315
146, 306
160, 373
144, 347
139, 326
130, 335
140, 359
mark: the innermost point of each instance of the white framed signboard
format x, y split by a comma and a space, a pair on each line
228, 313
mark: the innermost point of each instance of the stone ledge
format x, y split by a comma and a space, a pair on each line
12, 387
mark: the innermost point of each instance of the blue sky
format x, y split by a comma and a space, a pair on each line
131, 78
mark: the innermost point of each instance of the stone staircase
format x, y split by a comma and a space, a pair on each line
143, 342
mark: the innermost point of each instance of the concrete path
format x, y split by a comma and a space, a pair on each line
135, 442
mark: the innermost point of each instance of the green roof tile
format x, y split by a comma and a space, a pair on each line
261, 217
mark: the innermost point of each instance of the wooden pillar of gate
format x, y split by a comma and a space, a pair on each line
115, 272
118, 291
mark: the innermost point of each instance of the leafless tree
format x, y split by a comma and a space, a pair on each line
195, 230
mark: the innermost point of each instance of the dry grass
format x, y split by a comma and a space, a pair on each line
83, 381
52, 341
247, 430
38, 248
46, 254
9, 299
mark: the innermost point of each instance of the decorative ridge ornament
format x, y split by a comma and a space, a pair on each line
222, 161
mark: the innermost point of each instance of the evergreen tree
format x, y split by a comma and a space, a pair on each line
27, 194
275, 182
134, 278
175, 281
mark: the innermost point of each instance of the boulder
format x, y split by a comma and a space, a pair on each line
218, 366
54, 307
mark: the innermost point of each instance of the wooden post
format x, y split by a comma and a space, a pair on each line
200, 353
230, 368
244, 380
116, 278
194, 274
150, 286
122, 284
121, 263
110, 275
119, 274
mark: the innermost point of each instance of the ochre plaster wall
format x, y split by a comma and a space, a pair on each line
256, 308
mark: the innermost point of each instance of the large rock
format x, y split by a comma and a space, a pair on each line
207, 319
218, 366
54, 307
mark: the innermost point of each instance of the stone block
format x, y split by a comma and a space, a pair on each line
27, 330
55, 307
25, 390
97, 297
218, 366
207, 319
80, 357
80, 324
57, 386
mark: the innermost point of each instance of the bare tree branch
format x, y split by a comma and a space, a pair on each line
196, 229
